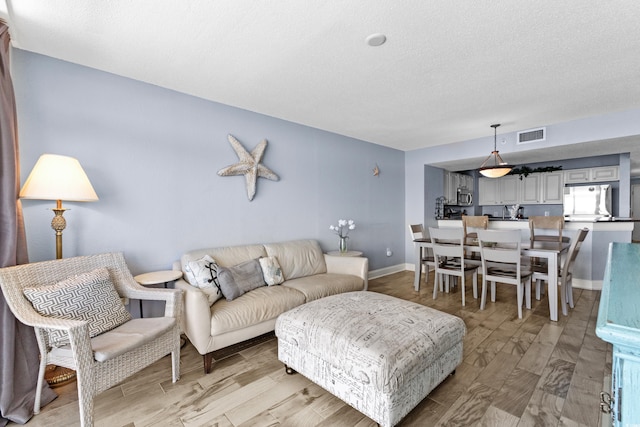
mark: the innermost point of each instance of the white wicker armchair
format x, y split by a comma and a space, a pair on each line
135, 340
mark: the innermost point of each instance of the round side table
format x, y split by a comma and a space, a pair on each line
155, 278
348, 253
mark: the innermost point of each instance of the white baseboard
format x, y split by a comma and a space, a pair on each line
374, 274
591, 285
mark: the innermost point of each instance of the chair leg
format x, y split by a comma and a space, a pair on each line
175, 363
483, 296
493, 291
475, 284
538, 285
563, 297
570, 293
527, 295
462, 288
85, 396
426, 274
39, 384
436, 283
519, 296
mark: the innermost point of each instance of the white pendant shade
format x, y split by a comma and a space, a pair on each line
494, 166
56, 177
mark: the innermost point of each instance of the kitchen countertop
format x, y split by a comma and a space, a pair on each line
526, 219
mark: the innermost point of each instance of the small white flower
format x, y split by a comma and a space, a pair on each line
343, 227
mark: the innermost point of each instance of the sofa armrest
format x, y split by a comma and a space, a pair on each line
196, 315
357, 266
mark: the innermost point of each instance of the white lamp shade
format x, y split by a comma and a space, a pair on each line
56, 177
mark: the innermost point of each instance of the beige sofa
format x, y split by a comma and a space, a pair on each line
309, 275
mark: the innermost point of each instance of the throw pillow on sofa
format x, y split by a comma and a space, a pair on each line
89, 296
203, 274
271, 270
237, 280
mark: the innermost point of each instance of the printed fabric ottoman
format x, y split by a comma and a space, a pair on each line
380, 354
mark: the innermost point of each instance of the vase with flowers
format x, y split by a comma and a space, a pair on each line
342, 230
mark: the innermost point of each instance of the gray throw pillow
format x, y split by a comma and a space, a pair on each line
89, 296
237, 280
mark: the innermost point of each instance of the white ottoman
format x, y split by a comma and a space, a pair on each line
380, 354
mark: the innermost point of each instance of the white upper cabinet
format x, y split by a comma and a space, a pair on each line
499, 191
453, 181
534, 189
530, 189
600, 174
551, 190
510, 190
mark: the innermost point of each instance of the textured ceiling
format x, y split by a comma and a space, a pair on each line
447, 71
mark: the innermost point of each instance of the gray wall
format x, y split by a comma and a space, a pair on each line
152, 156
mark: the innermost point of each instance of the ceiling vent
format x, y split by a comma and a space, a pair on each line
532, 135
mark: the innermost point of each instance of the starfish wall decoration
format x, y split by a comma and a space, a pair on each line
249, 165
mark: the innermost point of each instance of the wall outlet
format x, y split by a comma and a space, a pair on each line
389, 253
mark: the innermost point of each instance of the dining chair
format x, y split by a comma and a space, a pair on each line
448, 250
565, 275
471, 224
545, 229
426, 255
500, 251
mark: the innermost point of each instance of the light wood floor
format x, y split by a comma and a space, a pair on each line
529, 372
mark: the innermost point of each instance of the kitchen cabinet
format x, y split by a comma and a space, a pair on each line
530, 189
551, 188
619, 324
450, 187
534, 189
453, 181
599, 174
499, 191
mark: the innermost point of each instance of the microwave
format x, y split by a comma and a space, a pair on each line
465, 197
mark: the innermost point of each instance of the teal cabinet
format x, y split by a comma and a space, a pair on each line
619, 324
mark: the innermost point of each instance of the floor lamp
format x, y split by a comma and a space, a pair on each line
58, 178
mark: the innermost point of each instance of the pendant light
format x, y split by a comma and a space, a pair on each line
497, 167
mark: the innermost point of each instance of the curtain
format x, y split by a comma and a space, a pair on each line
19, 354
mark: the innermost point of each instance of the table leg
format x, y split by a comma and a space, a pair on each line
418, 267
141, 315
552, 272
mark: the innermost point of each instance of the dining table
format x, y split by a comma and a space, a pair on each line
551, 251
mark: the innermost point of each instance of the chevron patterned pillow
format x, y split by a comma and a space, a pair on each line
89, 296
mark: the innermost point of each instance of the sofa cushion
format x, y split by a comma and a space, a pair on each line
89, 296
240, 279
202, 273
271, 270
322, 285
254, 307
298, 258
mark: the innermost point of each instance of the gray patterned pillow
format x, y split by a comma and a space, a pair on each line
271, 270
89, 296
237, 280
203, 274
